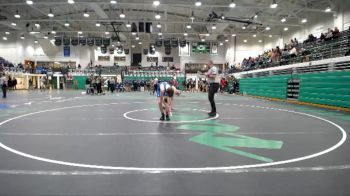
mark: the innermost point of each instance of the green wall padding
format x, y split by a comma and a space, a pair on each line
81, 81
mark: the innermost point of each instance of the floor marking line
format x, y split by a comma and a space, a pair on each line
159, 170
123, 172
92, 134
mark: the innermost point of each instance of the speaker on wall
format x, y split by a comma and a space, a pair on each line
149, 27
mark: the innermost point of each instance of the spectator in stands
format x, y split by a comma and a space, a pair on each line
293, 52
347, 53
336, 33
329, 34
322, 37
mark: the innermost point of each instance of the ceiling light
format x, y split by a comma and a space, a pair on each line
122, 15
137, 38
203, 40
273, 4
260, 41
254, 35
245, 41
233, 35
7, 33
270, 35
213, 27
140, 43
113, 2
226, 40
22, 36
185, 34
80, 32
160, 33
50, 14
17, 15
53, 32
128, 25
207, 35
112, 45
256, 16
268, 28
36, 41
189, 26
133, 46
4, 38
86, 15
192, 16
285, 29
37, 25
221, 44
29, 2
46, 37
98, 24
157, 16
133, 33
71, 1
244, 27
232, 4
66, 24
283, 20
13, 24
328, 9
159, 26
107, 33
222, 17
304, 20
156, 3
198, 3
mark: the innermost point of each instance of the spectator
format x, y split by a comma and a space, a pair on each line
293, 52
3, 83
329, 35
336, 33
322, 37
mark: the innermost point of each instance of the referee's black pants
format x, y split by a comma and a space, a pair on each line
213, 88
4, 89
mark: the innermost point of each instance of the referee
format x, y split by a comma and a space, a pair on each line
213, 80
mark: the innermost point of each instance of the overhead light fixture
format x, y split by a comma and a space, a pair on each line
156, 3
232, 4
221, 44
233, 35
198, 3
192, 16
159, 26
260, 41
245, 41
133, 33
46, 37
270, 35
254, 35
66, 24
36, 41
328, 9
185, 34
17, 15
128, 25
244, 27
140, 43
256, 16
98, 24
80, 32
160, 33
268, 28
137, 38
4, 38
71, 1
7, 33
213, 27
226, 40
122, 15
53, 32
86, 14
285, 29
203, 40
207, 35
274, 4
113, 2
13, 24
22, 36
50, 14
283, 20
37, 25
29, 2
133, 46
222, 17
157, 16
304, 20
106, 33
188, 26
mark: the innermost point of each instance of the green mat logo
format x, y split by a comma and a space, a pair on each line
223, 137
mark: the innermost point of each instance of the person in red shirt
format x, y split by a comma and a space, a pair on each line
222, 85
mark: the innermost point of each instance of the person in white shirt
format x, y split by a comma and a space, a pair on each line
213, 81
3, 84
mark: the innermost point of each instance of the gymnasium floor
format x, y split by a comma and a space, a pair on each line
67, 143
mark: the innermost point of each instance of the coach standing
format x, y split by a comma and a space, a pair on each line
213, 80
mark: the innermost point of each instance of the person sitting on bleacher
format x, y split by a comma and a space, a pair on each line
336, 33
329, 34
